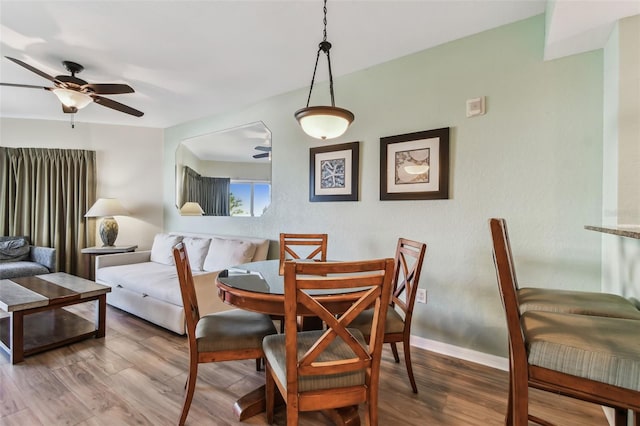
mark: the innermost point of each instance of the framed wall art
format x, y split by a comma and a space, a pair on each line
333, 172
415, 166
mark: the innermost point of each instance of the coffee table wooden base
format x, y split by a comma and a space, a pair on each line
45, 330
36, 320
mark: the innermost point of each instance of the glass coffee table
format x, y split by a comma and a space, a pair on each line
36, 320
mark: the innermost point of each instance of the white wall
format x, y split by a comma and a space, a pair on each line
621, 176
535, 158
129, 166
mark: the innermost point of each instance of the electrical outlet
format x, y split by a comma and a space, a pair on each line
421, 295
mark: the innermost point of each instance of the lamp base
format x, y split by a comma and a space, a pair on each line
108, 231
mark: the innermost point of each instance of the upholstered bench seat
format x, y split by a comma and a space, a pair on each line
576, 302
597, 348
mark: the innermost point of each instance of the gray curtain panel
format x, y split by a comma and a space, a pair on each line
44, 195
212, 193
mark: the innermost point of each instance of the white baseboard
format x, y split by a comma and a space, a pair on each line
475, 356
461, 353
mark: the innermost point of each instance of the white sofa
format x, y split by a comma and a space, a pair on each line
145, 283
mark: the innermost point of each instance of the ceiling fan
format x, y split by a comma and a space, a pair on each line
266, 151
75, 93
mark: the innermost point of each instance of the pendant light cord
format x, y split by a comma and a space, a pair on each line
324, 46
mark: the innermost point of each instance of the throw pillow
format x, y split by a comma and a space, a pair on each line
13, 249
161, 251
226, 253
197, 249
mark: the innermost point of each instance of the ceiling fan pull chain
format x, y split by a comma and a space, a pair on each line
73, 123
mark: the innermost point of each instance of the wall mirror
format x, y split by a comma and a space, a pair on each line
227, 173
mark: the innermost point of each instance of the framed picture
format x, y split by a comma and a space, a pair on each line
333, 172
415, 166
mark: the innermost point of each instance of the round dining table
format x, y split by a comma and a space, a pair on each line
259, 287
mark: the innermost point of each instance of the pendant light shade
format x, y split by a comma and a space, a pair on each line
324, 122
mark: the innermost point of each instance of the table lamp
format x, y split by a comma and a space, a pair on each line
191, 208
107, 208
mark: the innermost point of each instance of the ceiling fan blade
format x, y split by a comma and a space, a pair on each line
108, 89
263, 148
35, 70
29, 86
266, 154
109, 103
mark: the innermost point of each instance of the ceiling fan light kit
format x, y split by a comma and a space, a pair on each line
72, 99
324, 122
75, 93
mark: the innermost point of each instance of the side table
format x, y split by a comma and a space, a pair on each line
98, 251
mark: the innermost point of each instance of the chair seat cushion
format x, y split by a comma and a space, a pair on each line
603, 349
393, 323
232, 330
576, 302
274, 352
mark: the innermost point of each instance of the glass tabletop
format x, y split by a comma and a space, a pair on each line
263, 277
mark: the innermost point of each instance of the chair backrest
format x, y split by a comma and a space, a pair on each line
187, 289
311, 246
374, 276
406, 275
507, 284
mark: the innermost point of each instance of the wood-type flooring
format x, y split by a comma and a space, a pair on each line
136, 376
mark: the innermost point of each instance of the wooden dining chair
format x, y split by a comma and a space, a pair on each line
336, 367
302, 246
591, 358
406, 276
569, 301
223, 336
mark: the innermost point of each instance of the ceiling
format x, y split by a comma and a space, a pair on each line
189, 59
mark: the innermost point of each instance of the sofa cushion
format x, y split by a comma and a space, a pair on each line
13, 249
21, 268
225, 253
150, 279
197, 249
161, 250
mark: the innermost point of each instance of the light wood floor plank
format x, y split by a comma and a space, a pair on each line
136, 375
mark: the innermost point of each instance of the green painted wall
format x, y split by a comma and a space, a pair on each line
535, 158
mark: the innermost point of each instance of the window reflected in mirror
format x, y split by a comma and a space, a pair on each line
228, 173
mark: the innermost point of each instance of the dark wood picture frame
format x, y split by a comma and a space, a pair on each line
340, 165
431, 150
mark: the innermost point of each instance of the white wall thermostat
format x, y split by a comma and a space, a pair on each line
475, 106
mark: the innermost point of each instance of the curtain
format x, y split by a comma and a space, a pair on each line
44, 195
212, 193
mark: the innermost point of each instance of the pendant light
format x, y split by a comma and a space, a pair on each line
324, 122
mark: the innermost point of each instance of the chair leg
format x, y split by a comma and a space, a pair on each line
394, 349
636, 418
191, 386
407, 360
520, 397
258, 364
372, 413
292, 415
269, 393
508, 419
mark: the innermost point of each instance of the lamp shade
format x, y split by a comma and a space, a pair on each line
324, 122
191, 208
106, 207
72, 98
